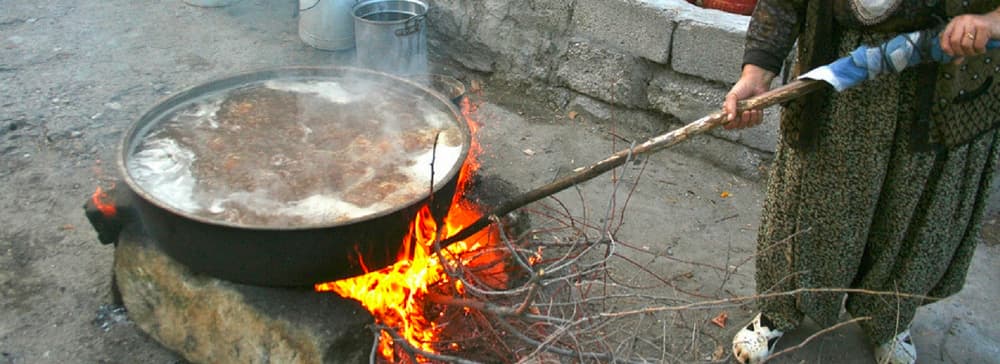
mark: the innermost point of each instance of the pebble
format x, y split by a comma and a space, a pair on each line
32, 20
113, 105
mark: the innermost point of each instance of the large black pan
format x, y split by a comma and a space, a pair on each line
285, 256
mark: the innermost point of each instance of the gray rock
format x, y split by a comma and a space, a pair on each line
643, 122
685, 97
209, 320
610, 76
632, 26
709, 51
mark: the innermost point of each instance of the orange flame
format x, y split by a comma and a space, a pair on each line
104, 203
394, 295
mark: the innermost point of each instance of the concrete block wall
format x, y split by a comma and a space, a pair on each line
661, 57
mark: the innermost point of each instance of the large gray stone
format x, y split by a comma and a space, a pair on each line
605, 74
595, 111
518, 37
685, 97
209, 320
708, 51
630, 25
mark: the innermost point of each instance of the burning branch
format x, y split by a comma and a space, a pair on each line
401, 341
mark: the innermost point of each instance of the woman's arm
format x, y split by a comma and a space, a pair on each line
773, 29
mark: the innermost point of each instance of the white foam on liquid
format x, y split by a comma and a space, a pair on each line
164, 168
331, 91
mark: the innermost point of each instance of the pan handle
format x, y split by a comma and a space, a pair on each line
411, 25
108, 212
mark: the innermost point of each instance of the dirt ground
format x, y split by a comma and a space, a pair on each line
75, 74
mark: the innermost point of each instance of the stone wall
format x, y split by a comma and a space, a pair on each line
657, 61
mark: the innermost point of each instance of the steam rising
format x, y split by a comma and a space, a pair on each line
287, 153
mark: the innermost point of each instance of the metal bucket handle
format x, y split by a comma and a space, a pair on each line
317, 3
308, 7
412, 25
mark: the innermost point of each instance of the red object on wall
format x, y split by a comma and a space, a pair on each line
742, 7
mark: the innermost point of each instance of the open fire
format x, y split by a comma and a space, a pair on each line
396, 295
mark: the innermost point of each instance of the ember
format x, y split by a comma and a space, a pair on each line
396, 295
103, 203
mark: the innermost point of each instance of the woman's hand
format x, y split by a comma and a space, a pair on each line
966, 35
753, 81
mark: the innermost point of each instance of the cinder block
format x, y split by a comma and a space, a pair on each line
605, 74
690, 98
636, 27
708, 51
639, 121
686, 97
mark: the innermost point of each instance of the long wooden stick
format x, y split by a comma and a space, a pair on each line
778, 95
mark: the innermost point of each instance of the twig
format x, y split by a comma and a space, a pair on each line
814, 336
661, 279
663, 349
483, 306
556, 350
513, 251
730, 217
399, 340
531, 294
782, 242
675, 259
373, 355
631, 192
715, 303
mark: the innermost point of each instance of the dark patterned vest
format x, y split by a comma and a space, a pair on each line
957, 102
966, 98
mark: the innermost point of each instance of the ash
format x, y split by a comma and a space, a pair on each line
109, 315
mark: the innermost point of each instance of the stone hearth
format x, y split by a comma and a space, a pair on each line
208, 320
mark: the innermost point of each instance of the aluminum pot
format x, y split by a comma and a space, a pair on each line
276, 256
391, 35
327, 24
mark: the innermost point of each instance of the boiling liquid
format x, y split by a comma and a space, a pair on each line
298, 153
